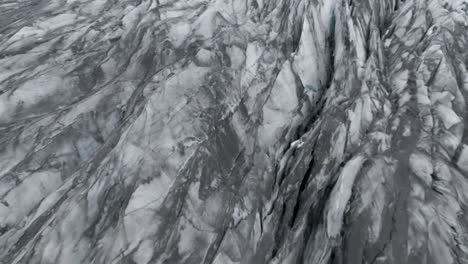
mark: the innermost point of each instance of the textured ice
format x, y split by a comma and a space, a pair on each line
233, 131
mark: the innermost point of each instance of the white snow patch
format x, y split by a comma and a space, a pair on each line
308, 61
407, 131
179, 32
277, 112
340, 195
28, 94
421, 165
204, 56
237, 56
399, 80
144, 253
463, 159
297, 144
58, 21
448, 116
28, 195
253, 53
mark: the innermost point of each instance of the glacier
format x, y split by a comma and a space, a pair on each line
234, 131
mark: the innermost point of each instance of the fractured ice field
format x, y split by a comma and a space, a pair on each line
233, 131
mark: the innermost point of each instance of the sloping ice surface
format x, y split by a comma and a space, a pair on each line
233, 131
